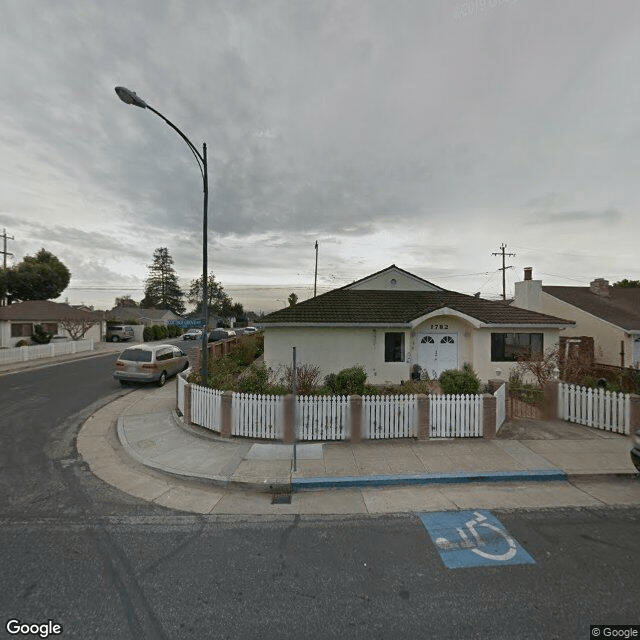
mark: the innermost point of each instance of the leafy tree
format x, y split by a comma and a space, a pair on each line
39, 277
219, 302
626, 284
161, 287
126, 301
293, 299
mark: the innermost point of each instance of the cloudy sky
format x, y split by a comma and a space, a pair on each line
424, 133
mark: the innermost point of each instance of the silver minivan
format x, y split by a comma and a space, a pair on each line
150, 363
116, 333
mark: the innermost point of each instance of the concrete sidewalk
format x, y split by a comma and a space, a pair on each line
140, 445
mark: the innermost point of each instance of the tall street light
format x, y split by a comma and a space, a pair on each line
130, 97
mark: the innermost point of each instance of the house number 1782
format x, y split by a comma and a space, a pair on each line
439, 326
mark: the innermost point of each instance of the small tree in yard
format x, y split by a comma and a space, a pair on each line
542, 366
77, 327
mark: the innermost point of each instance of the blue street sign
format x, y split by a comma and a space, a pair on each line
198, 322
472, 539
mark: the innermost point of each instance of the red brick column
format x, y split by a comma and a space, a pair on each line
550, 406
225, 417
357, 416
489, 415
634, 422
423, 416
288, 430
187, 404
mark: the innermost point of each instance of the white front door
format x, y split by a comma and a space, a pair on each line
438, 352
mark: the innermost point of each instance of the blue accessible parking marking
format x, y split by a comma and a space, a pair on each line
472, 539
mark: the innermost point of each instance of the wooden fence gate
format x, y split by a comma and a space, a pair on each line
526, 403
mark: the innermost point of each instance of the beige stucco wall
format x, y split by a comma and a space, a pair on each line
7, 341
333, 349
606, 336
403, 282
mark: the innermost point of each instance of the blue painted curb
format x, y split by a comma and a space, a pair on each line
300, 484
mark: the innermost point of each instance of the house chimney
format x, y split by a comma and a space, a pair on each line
528, 273
600, 287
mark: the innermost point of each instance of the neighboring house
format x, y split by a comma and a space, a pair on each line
147, 317
17, 320
392, 320
610, 315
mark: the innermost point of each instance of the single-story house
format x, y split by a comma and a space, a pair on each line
17, 321
392, 320
147, 317
610, 315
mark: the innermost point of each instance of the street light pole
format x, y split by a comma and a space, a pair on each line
130, 97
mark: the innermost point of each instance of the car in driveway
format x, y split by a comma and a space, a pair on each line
116, 333
250, 330
150, 363
635, 452
192, 334
221, 334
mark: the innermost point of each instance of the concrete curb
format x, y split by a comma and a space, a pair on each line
302, 484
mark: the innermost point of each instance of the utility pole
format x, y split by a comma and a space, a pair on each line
503, 268
315, 278
5, 237
5, 253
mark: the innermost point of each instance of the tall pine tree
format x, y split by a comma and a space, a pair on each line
161, 287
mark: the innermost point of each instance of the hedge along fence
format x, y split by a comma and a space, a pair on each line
337, 417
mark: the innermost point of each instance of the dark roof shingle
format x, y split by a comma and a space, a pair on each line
401, 307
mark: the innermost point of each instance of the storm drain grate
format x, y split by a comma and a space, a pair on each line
280, 494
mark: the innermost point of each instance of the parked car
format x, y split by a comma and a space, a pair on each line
220, 334
250, 330
150, 363
635, 452
116, 333
192, 334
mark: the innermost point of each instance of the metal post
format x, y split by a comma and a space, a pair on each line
204, 360
295, 411
315, 277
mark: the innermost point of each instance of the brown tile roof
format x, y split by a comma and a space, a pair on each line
44, 310
621, 307
401, 307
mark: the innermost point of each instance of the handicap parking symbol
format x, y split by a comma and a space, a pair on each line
472, 539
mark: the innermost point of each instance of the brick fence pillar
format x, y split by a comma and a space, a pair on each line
225, 414
489, 415
289, 427
186, 416
357, 414
550, 401
423, 416
634, 422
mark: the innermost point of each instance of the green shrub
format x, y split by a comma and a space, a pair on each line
40, 336
155, 332
255, 379
459, 382
147, 334
351, 381
22, 343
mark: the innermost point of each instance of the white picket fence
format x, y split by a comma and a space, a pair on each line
594, 407
390, 417
501, 405
455, 416
38, 351
256, 416
322, 417
182, 383
205, 407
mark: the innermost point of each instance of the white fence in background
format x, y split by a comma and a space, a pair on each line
390, 417
501, 405
322, 417
37, 351
594, 407
256, 416
455, 416
206, 406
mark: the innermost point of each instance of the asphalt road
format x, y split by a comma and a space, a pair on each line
105, 565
